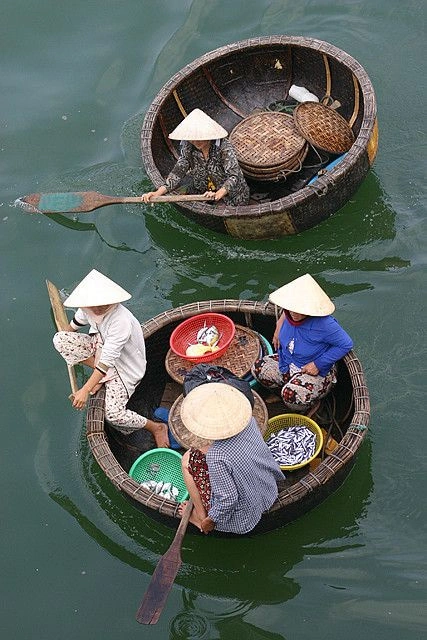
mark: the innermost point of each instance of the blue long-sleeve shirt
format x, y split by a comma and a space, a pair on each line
317, 339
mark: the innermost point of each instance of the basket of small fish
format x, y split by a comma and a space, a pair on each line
203, 338
294, 440
159, 470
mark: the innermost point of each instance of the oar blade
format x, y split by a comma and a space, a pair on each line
158, 590
66, 202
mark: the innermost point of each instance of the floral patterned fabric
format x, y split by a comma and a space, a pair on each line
221, 169
298, 390
198, 469
76, 347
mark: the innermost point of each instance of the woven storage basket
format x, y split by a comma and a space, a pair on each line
186, 439
267, 143
323, 127
169, 469
287, 420
276, 173
239, 357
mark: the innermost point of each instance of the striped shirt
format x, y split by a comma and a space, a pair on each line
244, 480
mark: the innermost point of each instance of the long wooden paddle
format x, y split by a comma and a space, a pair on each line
84, 201
61, 322
164, 575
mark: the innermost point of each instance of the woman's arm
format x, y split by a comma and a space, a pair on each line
279, 324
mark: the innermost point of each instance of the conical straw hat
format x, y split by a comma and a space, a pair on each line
303, 295
215, 411
96, 290
198, 126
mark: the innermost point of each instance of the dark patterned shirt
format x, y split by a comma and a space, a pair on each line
221, 169
244, 479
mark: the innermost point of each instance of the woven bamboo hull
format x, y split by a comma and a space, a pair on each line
229, 84
304, 491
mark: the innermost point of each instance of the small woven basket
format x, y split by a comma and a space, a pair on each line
287, 420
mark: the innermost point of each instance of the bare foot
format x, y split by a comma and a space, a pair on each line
161, 434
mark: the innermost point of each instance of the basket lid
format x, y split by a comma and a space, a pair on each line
323, 127
267, 139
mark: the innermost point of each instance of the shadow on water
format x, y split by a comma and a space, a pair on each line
248, 569
356, 239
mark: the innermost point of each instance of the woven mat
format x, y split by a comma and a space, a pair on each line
243, 351
323, 127
267, 139
187, 439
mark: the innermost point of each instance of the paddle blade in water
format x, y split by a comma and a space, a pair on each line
68, 202
83, 201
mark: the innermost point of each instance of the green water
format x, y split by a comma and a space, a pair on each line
76, 558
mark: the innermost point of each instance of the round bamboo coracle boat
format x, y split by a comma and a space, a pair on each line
343, 414
245, 87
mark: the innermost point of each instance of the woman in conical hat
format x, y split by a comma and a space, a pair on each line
209, 157
114, 348
232, 477
308, 342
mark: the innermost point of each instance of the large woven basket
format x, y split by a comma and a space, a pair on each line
268, 145
187, 439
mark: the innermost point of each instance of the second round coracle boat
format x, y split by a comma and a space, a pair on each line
303, 160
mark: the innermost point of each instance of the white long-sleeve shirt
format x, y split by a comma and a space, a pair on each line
123, 345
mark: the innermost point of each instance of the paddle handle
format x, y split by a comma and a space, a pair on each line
61, 322
169, 198
180, 532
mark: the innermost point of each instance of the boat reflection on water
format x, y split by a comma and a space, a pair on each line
250, 570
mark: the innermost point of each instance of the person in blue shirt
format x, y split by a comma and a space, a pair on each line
230, 473
308, 342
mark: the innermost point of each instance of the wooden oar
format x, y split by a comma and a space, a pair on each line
164, 574
61, 322
84, 201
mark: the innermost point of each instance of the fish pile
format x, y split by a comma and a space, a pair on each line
162, 489
292, 446
207, 342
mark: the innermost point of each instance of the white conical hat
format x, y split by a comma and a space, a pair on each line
96, 290
198, 126
215, 411
303, 295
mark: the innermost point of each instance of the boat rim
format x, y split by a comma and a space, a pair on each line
326, 470
351, 158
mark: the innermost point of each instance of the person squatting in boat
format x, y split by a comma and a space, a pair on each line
232, 477
308, 342
114, 348
209, 158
